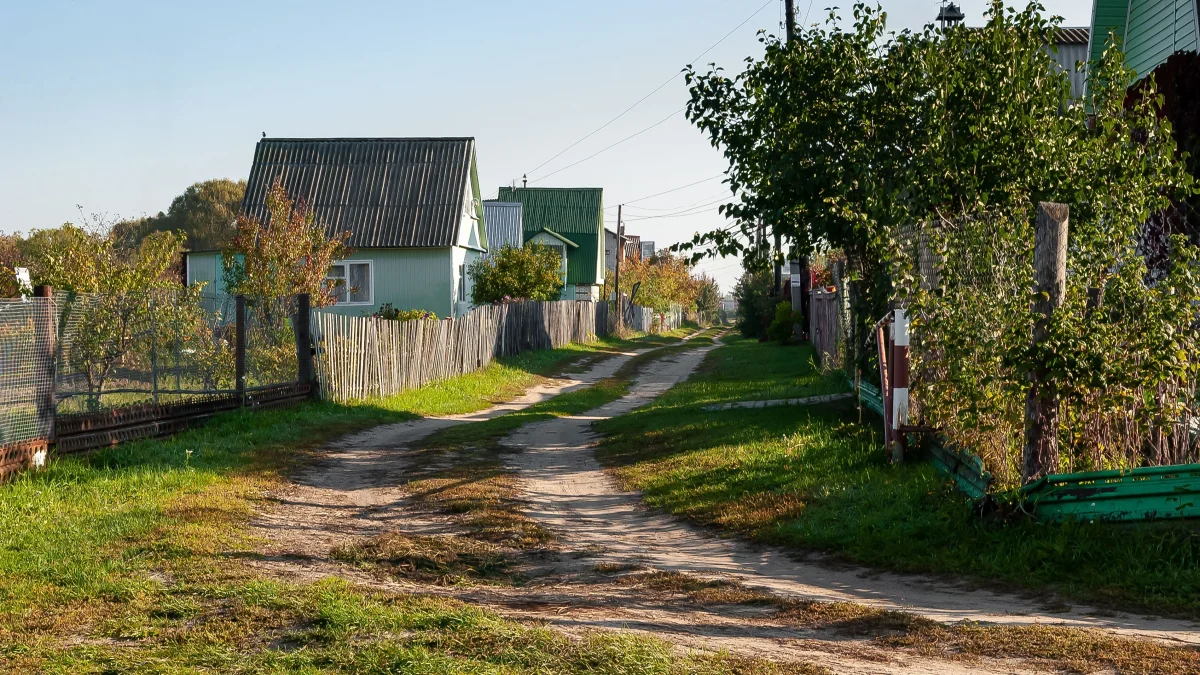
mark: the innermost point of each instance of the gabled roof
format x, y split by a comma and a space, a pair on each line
552, 233
575, 212
387, 192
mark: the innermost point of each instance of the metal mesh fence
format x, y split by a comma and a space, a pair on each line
157, 346
26, 373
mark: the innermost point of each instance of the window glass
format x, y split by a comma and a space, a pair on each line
360, 282
337, 274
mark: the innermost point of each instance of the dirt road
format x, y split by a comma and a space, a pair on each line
357, 491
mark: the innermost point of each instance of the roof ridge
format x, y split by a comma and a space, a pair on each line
365, 139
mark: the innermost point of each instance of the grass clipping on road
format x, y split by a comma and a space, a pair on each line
814, 478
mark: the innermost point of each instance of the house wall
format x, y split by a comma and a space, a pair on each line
1066, 57
206, 266
409, 278
1151, 30
503, 223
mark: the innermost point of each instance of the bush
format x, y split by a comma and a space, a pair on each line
386, 311
780, 329
754, 310
531, 272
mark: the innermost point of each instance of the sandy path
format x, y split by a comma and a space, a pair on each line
569, 492
354, 491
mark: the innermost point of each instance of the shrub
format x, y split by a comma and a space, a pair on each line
386, 311
780, 329
754, 310
531, 272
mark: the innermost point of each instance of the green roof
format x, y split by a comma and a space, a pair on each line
577, 213
552, 233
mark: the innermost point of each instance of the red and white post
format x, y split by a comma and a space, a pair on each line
899, 382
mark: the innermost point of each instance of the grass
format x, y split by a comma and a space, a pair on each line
813, 478
132, 560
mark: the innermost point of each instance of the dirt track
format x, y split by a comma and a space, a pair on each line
357, 491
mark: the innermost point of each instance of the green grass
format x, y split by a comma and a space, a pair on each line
131, 559
813, 478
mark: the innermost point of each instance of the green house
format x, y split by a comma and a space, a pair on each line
571, 220
1150, 30
411, 206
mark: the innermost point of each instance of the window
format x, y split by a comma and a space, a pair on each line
462, 283
354, 282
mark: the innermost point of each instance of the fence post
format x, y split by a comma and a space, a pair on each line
304, 352
46, 338
899, 363
239, 348
1041, 403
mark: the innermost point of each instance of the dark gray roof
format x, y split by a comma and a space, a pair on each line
387, 192
1073, 36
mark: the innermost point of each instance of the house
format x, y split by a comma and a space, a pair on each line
610, 249
647, 250
411, 206
572, 221
504, 228
1150, 30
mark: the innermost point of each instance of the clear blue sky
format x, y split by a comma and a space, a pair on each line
117, 106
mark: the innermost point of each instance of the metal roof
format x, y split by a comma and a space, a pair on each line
387, 192
503, 222
1073, 36
552, 233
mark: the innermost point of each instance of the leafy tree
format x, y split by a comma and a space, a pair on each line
708, 298
664, 279
289, 254
531, 272
132, 303
782, 323
205, 214
754, 305
10, 259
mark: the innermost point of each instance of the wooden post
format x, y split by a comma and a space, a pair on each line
899, 365
617, 271
46, 336
1041, 403
239, 348
304, 350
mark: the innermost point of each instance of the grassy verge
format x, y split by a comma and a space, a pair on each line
812, 478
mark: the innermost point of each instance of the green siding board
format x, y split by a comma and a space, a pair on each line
415, 278
567, 211
1151, 30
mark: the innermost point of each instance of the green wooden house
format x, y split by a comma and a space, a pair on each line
411, 206
1150, 30
572, 221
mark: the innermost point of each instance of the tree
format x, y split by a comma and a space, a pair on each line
204, 214
708, 298
663, 280
754, 307
132, 303
289, 254
10, 260
531, 272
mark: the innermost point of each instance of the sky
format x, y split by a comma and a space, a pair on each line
114, 107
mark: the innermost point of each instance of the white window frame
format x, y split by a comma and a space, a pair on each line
370, 275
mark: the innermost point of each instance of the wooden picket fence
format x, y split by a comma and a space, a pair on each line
366, 357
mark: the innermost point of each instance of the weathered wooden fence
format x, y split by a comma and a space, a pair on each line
647, 320
366, 357
825, 328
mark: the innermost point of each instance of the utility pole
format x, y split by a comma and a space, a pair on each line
789, 23
617, 271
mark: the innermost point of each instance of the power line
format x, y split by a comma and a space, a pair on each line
669, 80
682, 207
610, 147
665, 192
694, 211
